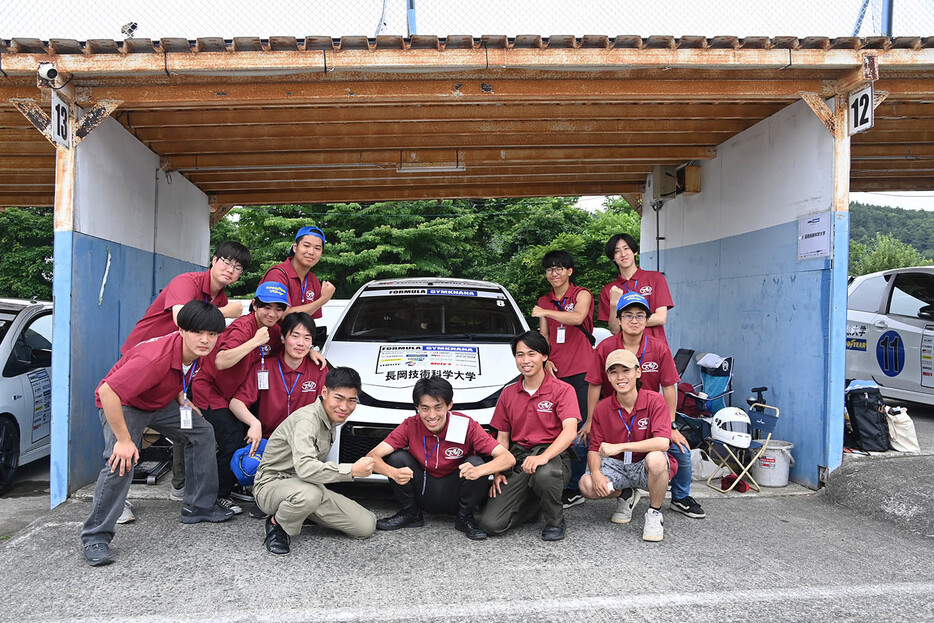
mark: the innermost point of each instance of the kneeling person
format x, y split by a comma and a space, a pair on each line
433, 464
629, 440
290, 479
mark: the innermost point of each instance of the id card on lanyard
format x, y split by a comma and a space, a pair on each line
562, 330
288, 390
627, 456
184, 411
428, 456
262, 375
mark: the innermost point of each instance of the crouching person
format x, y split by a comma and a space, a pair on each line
147, 387
629, 440
290, 479
432, 462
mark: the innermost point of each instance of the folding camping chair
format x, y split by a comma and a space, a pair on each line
761, 425
707, 397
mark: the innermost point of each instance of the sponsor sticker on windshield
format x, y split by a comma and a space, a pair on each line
410, 362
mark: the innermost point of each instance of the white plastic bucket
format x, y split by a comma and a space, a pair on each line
771, 469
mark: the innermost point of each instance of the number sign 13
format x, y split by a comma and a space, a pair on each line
860, 109
61, 121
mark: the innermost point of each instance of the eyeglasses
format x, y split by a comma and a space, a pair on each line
555, 270
235, 267
636, 317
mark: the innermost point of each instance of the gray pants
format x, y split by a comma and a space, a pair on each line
523, 494
112, 488
292, 500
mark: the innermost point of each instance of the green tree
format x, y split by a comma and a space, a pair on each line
883, 253
26, 261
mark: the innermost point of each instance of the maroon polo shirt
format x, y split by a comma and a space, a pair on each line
438, 456
650, 284
572, 357
158, 319
149, 377
658, 367
275, 404
213, 388
648, 419
301, 291
536, 419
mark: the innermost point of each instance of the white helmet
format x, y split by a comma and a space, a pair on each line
731, 426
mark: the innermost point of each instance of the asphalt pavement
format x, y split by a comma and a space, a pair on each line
860, 549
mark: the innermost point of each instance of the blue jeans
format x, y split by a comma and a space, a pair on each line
681, 483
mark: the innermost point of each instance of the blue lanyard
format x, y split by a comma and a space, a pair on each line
262, 360
625, 285
628, 426
187, 381
563, 302
288, 392
304, 287
644, 344
427, 456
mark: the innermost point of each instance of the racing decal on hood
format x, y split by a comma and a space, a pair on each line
460, 362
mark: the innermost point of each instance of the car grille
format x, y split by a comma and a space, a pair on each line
357, 440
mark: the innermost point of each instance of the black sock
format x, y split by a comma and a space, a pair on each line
658, 508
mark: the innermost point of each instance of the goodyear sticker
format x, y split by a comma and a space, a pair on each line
855, 343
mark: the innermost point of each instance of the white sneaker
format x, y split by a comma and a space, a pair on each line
177, 495
624, 507
127, 516
229, 505
654, 529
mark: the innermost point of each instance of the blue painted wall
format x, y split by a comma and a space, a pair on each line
748, 297
99, 325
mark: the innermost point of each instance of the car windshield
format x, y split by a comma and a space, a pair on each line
468, 316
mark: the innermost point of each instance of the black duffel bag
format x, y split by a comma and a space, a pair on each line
866, 408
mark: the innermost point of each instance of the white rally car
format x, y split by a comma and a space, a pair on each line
394, 332
25, 384
890, 332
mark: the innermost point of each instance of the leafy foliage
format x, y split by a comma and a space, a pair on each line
26, 260
913, 227
883, 253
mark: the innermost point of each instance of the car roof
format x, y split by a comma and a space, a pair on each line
894, 271
18, 305
426, 282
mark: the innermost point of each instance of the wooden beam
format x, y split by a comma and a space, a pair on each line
402, 194
889, 184
864, 151
27, 200
448, 111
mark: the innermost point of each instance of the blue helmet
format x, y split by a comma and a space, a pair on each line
244, 466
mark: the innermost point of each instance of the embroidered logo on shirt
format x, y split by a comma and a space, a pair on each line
569, 307
646, 291
309, 296
649, 366
643, 423
453, 453
546, 405
309, 386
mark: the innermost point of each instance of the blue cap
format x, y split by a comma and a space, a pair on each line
272, 292
632, 298
244, 466
310, 231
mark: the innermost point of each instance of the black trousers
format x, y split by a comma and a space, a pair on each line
450, 494
229, 433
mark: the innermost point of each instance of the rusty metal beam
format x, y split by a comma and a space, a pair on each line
863, 151
93, 117
219, 211
888, 184
817, 104
35, 116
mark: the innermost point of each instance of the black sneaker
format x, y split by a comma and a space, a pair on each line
98, 554
571, 497
229, 505
214, 514
401, 520
688, 506
554, 533
277, 540
257, 513
468, 525
241, 494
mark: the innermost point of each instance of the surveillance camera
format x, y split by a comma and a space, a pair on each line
47, 71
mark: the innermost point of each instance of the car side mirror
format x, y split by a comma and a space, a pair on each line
926, 312
41, 357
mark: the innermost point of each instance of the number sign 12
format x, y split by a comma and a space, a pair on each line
61, 121
861, 112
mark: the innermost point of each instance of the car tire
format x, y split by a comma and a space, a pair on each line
9, 451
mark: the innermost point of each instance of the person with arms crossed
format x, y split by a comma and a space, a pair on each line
629, 446
147, 387
537, 420
622, 250
658, 373
566, 320
433, 464
291, 477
